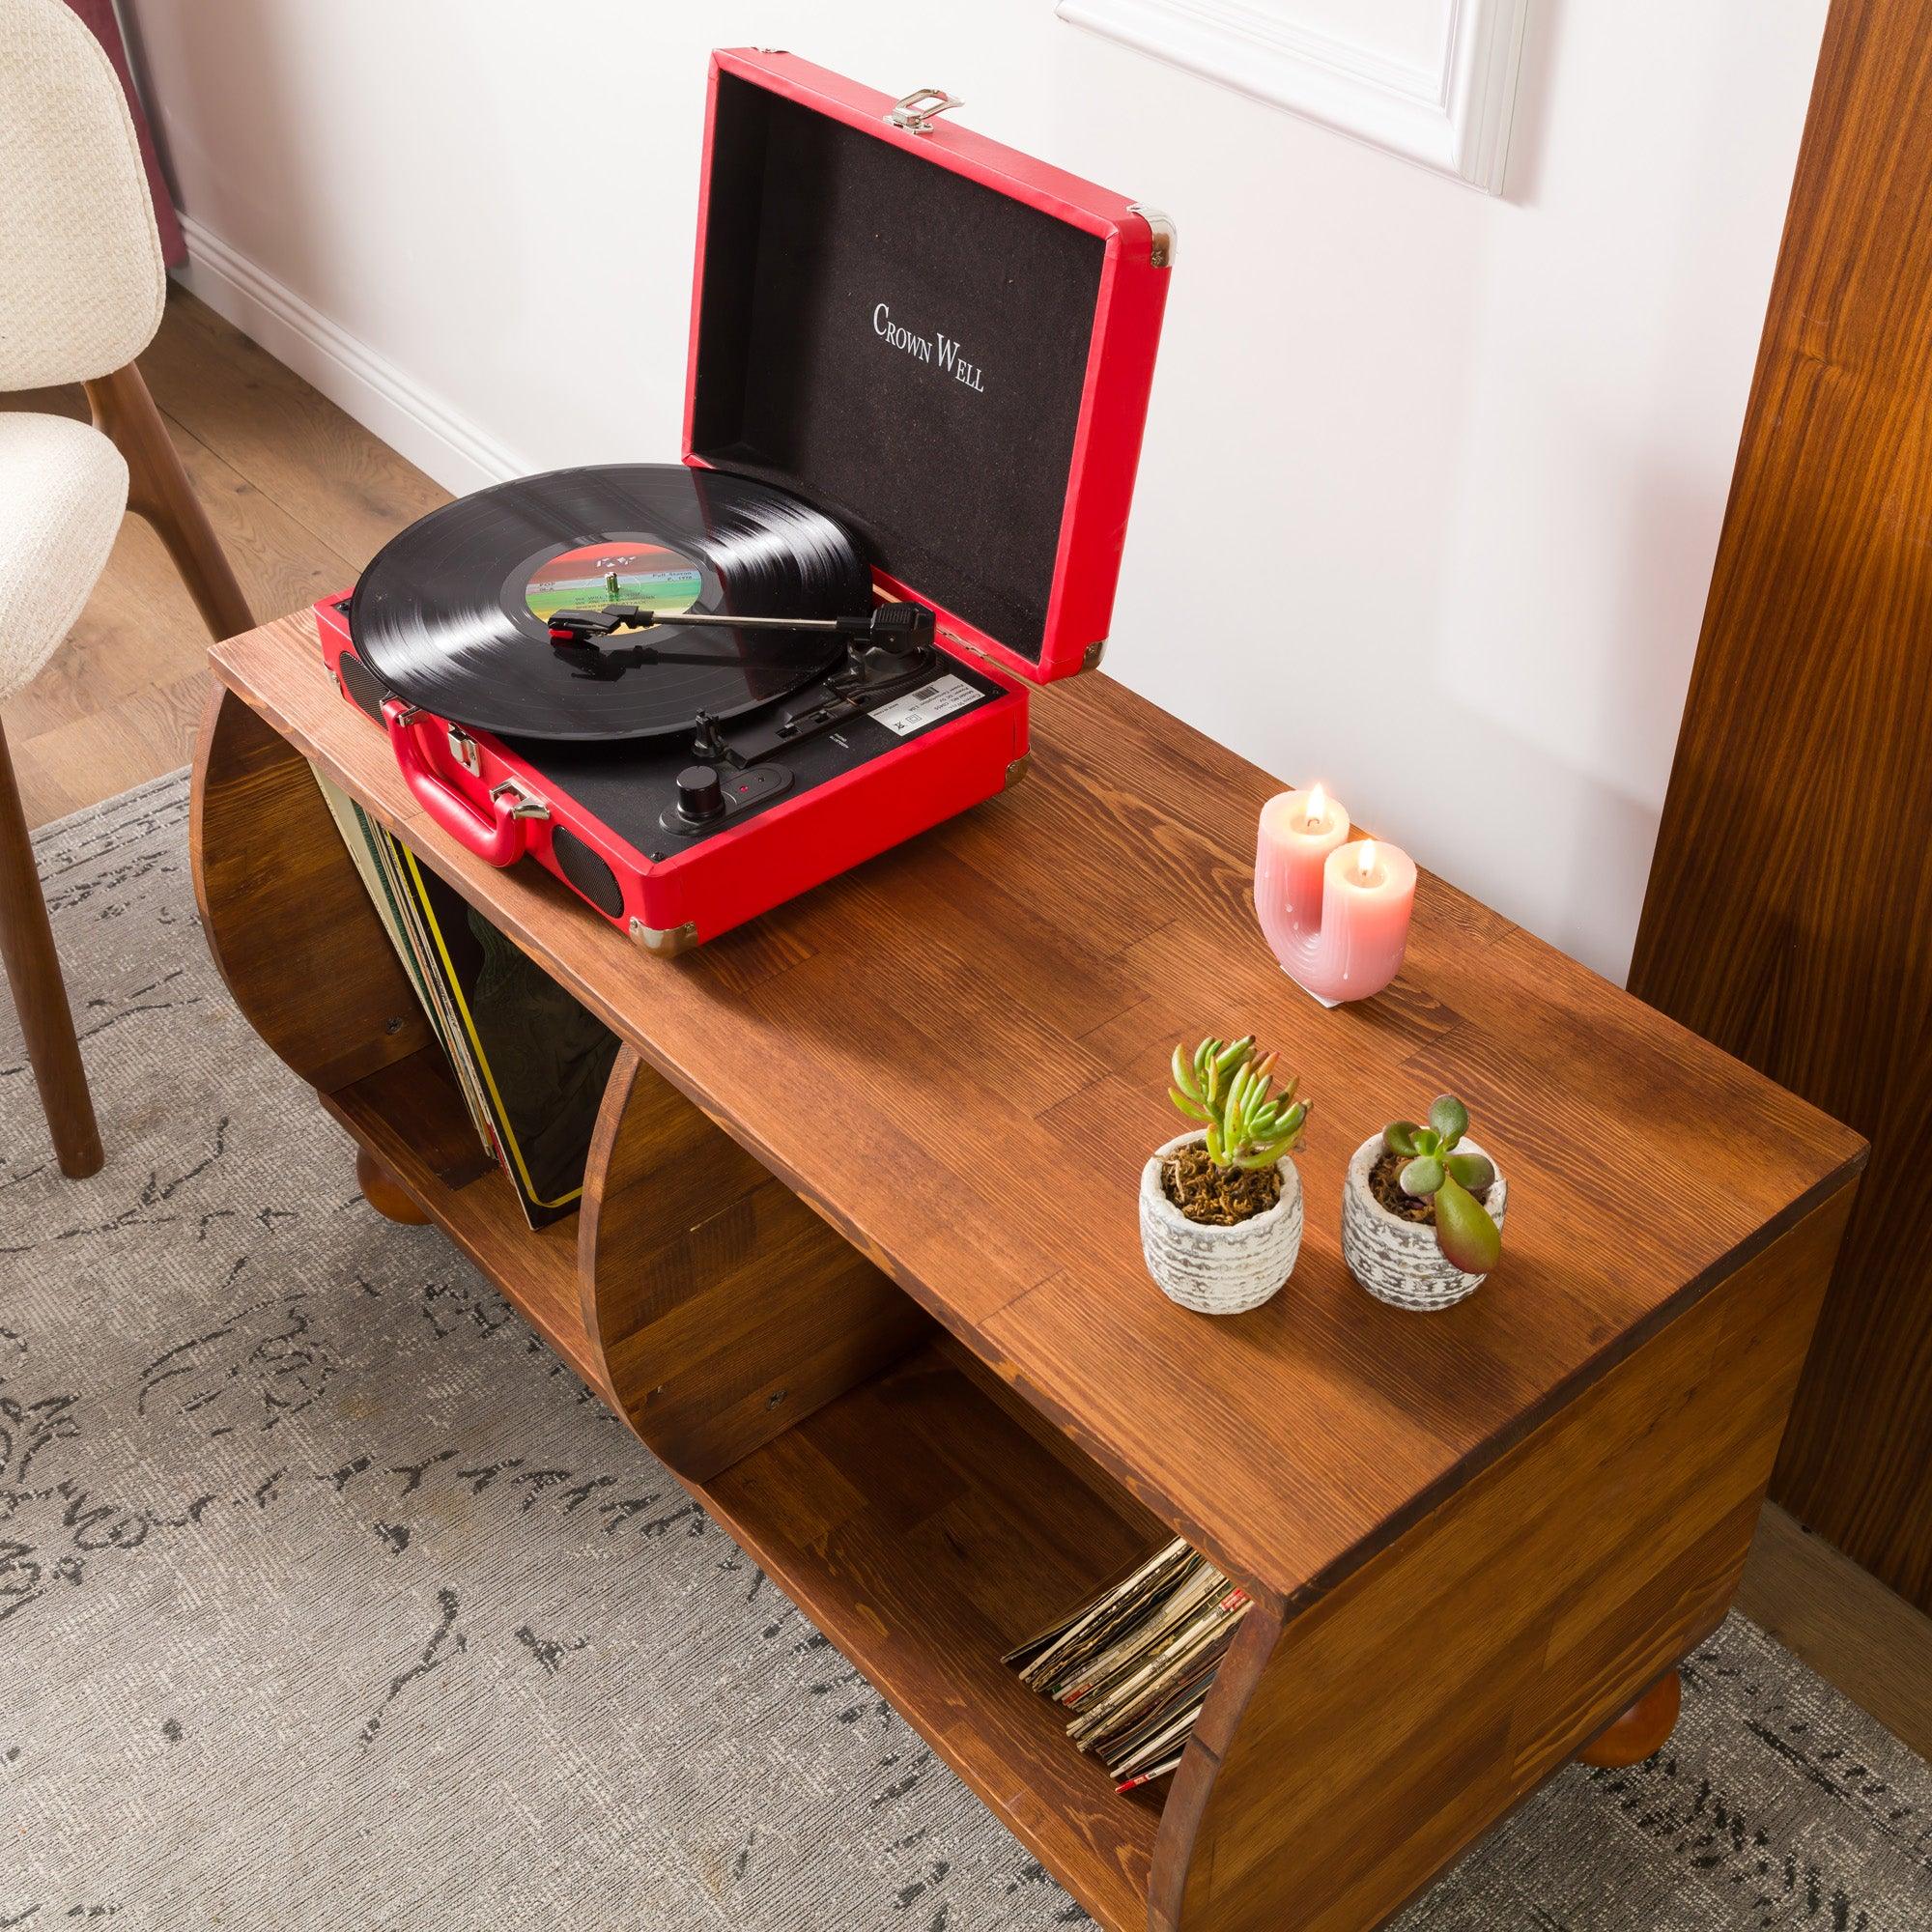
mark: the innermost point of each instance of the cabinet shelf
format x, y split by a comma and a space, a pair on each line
923, 1528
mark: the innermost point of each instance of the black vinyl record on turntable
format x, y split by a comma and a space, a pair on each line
456, 613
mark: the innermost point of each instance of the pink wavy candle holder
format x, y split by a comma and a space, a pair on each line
1335, 914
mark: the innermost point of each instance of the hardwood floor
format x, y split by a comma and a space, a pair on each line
302, 496
1844, 1622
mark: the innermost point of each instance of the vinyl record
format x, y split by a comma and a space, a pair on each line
451, 613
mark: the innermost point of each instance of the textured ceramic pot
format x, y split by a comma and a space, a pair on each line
1218, 1271
1397, 1261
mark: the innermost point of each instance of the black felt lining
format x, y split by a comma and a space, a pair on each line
958, 492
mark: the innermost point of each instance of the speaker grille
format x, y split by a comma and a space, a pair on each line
586, 871
365, 693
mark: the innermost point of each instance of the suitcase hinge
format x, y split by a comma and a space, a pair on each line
527, 804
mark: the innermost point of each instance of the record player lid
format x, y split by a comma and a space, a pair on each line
941, 342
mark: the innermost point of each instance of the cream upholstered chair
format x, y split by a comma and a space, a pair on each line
81, 288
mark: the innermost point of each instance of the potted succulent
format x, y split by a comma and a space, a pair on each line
1221, 1206
1422, 1210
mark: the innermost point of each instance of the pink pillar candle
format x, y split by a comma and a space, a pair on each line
1335, 914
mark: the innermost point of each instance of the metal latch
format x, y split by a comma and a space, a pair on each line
915, 111
526, 803
463, 748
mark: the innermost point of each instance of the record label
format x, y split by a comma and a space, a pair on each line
591, 575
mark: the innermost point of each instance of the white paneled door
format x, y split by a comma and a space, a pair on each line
1432, 80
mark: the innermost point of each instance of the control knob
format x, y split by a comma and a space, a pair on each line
700, 798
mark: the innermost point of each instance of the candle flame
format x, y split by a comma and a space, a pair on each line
1318, 807
1365, 866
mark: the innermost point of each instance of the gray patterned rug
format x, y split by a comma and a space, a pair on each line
328, 1599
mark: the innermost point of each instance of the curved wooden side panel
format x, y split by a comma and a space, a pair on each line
1193, 1789
722, 1308
1403, 1710
287, 918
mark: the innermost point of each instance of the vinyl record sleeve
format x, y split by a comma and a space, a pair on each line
543, 1057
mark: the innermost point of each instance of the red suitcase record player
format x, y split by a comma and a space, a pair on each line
942, 346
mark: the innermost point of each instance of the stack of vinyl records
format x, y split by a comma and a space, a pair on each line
529, 1060
1134, 1666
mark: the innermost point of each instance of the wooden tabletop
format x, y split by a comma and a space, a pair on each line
958, 1054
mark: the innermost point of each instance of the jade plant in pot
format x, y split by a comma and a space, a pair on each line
1221, 1206
1422, 1210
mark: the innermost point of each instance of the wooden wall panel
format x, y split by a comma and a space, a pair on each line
1789, 915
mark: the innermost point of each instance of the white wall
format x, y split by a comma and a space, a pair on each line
1433, 481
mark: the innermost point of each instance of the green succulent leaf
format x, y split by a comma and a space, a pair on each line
1475, 1171
1428, 1141
1399, 1137
1263, 1156
1240, 1091
1464, 1231
1183, 1074
1423, 1176
1450, 1118
1191, 1108
1228, 1087
1231, 1056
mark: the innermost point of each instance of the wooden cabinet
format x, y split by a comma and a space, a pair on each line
858, 1259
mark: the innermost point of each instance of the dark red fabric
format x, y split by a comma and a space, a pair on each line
101, 23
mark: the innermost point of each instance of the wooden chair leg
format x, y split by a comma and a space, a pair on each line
32, 970
159, 489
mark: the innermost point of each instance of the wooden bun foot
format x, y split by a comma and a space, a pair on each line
1641, 1730
385, 1193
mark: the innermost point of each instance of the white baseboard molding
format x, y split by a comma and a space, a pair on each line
387, 401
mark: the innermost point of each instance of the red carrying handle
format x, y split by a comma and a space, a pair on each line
497, 837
